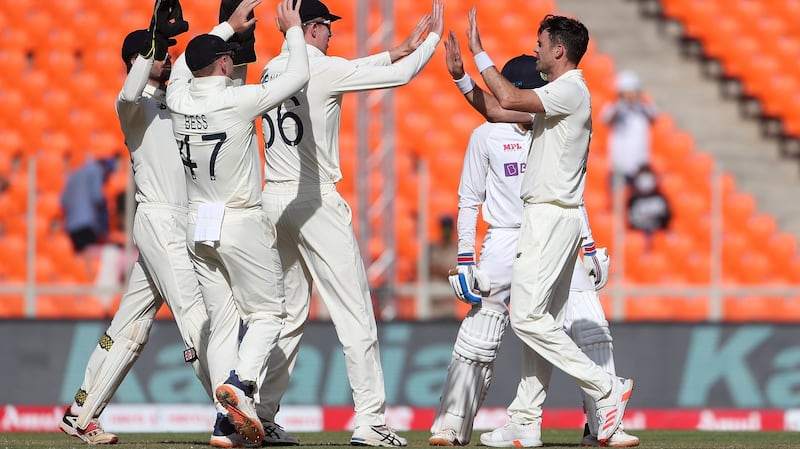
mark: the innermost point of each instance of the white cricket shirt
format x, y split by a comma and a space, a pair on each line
557, 161
146, 124
491, 178
301, 137
213, 122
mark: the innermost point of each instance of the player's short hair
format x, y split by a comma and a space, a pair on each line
522, 73
568, 32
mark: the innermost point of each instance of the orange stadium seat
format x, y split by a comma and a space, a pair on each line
12, 305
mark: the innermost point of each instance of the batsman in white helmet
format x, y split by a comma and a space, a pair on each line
163, 270
315, 233
494, 164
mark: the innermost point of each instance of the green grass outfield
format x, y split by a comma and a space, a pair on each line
653, 439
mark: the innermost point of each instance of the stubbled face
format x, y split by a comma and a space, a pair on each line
161, 69
546, 53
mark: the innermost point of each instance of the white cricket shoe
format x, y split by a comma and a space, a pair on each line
444, 437
514, 435
382, 436
611, 409
275, 435
241, 410
93, 434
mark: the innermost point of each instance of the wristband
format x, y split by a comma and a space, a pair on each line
465, 84
589, 248
482, 61
466, 258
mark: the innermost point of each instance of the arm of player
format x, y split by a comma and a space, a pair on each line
350, 77
480, 100
507, 96
471, 189
136, 80
469, 283
411, 43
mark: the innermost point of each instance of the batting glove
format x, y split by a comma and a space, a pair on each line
166, 23
596, 262
469, 283
246, 53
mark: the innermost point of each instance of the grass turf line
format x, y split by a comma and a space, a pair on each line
553, 439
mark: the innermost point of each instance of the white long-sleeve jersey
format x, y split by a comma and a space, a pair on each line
145, 121
302, 135
213, 123
491, 178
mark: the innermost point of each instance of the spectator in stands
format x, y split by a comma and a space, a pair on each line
648, 209
441, 255
629, 118
85, 209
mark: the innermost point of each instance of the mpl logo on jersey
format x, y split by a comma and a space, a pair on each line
514, 168
514, 146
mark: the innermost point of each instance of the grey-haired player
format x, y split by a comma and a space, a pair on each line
231, 240
315, 233
494, 164
163, 270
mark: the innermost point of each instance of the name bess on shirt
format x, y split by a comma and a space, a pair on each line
195, 122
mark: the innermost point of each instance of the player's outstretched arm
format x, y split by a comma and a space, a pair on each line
508, 96
413, 40
483, 102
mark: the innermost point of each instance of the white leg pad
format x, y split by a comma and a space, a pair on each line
470, 372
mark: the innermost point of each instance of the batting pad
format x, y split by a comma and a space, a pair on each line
470, 372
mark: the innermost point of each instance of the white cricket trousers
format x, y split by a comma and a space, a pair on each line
162, 271
548, 247
240, 278
316, 243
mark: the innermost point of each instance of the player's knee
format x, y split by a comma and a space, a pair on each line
585, 333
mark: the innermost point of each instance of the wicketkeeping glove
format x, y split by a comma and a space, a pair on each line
166, 23
246, 53
469, 283
596, 262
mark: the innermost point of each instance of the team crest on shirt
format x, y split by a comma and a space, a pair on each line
514, 168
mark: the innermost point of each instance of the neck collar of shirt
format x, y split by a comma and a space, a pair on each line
212, 82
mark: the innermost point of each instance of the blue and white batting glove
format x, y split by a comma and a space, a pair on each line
596, 262
469, 283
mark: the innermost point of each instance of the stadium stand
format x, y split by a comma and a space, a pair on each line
61, 128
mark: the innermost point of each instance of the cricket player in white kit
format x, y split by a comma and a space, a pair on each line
163, 270
231, 241
491, 176
316, 240
550, 231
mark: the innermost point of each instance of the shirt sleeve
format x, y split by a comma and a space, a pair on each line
265, 96
560, 98
472, 188
353, 76
378, 59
